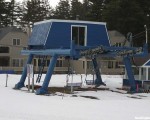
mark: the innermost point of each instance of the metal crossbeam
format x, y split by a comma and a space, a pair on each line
129, 52
111, 51
95, 51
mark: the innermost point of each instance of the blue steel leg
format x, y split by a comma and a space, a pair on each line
130, 74
20, 84
98, 80
44, 88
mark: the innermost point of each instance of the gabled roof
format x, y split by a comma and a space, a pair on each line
6, 30
115, 33
116, 37
146, 64
141, 61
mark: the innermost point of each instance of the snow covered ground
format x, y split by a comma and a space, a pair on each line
24, 105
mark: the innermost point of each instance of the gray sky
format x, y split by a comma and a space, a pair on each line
53, 3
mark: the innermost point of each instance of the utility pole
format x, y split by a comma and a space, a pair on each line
146, 33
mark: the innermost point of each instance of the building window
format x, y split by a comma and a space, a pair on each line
79, 35
48, 62
59, 63
83, 63
4, 49
110, 64
16, 41
39, 62
34, 62
4, 61
117, 65
118, 44
17, 62
89, 65
21, 63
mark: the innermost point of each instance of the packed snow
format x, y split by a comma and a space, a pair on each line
24, 105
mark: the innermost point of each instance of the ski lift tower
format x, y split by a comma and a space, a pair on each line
75, 39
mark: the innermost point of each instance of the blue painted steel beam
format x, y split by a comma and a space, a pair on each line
130, 74
47, 52
20, 84
44, 88
98, 80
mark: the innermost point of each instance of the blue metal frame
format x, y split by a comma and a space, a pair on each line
98, 80
44, 88
75, 53
130, 74
20, 84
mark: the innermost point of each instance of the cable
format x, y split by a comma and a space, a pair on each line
139, 33
138, 37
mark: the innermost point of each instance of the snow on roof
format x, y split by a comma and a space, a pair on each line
69, 21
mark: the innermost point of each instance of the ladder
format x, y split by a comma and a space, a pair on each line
41, 68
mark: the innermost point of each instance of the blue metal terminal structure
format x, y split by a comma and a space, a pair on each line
75, 39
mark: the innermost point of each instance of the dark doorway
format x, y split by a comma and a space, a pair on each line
79, 35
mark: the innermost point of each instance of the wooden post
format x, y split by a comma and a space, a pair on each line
72, 84
6, 79
33, 84
140, 73
29, 83
146, 73
30, 75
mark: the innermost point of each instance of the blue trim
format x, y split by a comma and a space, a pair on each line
7, 72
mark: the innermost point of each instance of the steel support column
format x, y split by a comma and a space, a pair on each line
130, 74
20, 84
44, 88
98, 80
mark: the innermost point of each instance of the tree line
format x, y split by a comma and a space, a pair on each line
122, 15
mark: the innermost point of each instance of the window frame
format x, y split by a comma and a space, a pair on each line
85, 33
110, 64
59, 63
16, 41
4, 49
20, 64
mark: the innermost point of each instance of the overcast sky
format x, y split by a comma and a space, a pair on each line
53, 3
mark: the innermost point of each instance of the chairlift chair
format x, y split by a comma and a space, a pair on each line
71, 72
88, 81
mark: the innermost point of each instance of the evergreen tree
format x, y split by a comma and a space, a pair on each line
11, 8
4, 21
8, 13
35, 10
76, 9
97, 8
14, 12
62, 10
125, 16
145, 5
86, 10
